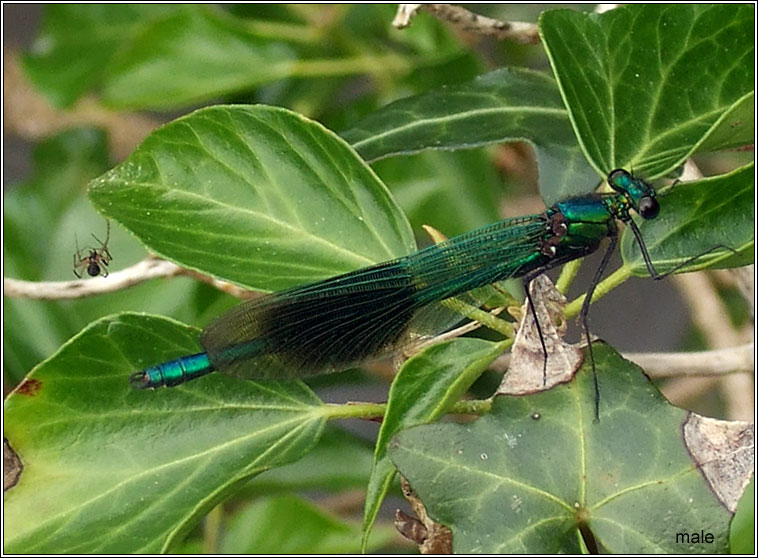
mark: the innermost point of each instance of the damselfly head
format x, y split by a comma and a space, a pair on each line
639, 193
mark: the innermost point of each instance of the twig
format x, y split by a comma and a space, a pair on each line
149, 268
228, 288
693, 364
702, 363
517, 31
742, 279
712, 318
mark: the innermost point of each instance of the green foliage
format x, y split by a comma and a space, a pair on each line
692, 221
148, 475
428, 187
641, 103
267, 198
742, 536
630, 480
289, 525
276, 200
425, 388
42, 218
91, 36
128, 51
504, 105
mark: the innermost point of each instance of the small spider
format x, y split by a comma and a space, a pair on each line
95, 261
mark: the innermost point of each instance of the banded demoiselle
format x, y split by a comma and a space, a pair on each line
330, 325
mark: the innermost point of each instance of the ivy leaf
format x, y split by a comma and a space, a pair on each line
256, 195
138, 468
538, 476
340, 461
694, 218
425, 388
193, 54
456, 190
646, 84
504, 105
287, 524
78, 41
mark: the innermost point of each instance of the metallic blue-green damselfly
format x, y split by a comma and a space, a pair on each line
330, 325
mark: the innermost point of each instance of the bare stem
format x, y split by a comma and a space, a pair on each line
517, 31
149, 268
712, 319
702, 363
681, 365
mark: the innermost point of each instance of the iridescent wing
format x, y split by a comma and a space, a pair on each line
373, 312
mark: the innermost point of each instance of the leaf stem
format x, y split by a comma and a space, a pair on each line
604, 287
472, 407
352, 409
485, 318
212, 528
347, 66
373, 411
283, 31
568, 273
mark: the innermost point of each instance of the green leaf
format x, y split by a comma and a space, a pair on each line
290, 525
456, 191
78, 41
61, 167
742, 537
646, 83
504, 105
735, 129
696, 217
426, 387
192, 55
110, 469
256, 195
340, 460
38, 244
528, 476
52, 201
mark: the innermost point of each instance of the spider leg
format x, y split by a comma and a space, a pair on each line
77, 263
104, 245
